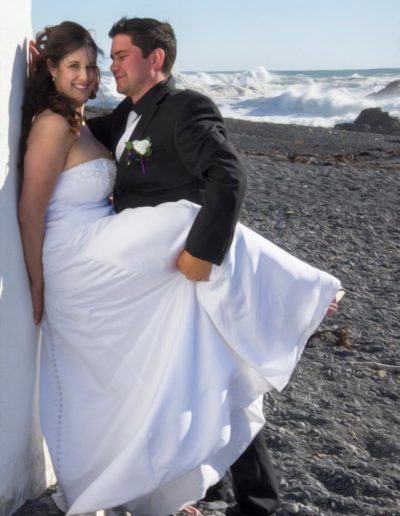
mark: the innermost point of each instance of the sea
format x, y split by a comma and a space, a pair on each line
314, 98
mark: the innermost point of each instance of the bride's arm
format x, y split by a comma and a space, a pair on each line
47, 148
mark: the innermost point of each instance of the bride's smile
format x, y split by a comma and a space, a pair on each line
76, 75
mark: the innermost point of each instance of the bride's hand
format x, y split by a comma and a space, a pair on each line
37, 294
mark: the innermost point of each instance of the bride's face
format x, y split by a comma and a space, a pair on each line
76, 74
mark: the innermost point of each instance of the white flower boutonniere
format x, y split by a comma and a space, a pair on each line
137, 150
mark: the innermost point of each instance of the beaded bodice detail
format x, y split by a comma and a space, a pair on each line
81, 196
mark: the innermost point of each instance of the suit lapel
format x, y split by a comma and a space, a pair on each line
151, 108
119, 122
139, 133
119, 125
140, 129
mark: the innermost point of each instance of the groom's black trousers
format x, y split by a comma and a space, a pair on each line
254, 482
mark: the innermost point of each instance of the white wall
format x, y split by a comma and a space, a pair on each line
21, 454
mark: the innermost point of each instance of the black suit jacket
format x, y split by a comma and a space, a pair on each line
191, 158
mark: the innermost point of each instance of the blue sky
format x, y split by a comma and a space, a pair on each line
238, 34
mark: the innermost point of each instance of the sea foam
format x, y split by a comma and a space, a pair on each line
317, 98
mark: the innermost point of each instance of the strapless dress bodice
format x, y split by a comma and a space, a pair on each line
81, 196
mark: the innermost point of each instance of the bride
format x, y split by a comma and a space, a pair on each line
150, 384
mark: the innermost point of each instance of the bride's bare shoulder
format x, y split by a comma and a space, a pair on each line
51, 126
48, 118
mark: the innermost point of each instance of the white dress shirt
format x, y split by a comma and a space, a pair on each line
131, 123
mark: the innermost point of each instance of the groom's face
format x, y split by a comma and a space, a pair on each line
132, 71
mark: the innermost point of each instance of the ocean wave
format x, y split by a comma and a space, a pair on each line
306, 98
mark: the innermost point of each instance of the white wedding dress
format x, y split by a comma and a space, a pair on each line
151, 385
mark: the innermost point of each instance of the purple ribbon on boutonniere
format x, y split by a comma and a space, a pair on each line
137, 151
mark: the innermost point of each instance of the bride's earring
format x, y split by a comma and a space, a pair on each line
53, 78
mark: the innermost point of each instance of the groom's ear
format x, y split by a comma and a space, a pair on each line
157, 59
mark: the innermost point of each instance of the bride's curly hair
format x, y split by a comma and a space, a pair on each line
53, 44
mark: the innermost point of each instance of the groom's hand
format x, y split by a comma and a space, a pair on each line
193, 268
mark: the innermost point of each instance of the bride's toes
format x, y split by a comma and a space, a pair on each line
332, 308
188, 510
192, 510
334, 304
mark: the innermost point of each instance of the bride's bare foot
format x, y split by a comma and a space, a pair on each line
189, 510
334, 304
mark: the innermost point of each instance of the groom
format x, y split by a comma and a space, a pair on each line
183, 152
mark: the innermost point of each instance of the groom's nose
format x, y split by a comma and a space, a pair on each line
113, 66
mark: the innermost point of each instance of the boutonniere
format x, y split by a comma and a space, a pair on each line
137, 150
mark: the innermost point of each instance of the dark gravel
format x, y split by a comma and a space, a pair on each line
332, 199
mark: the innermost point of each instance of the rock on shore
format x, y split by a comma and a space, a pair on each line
373, 120
389, 91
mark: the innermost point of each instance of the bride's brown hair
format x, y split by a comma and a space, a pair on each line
53, 43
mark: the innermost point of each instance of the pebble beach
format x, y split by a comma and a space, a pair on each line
331, 198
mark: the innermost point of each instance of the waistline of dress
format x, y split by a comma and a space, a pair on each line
66, 221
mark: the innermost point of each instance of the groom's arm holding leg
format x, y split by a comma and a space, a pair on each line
203, 147
193, 268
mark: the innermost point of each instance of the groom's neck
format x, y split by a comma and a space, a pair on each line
149, 85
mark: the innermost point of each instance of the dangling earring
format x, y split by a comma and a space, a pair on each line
53, 78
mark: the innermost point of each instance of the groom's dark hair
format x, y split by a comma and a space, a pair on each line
149, 34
